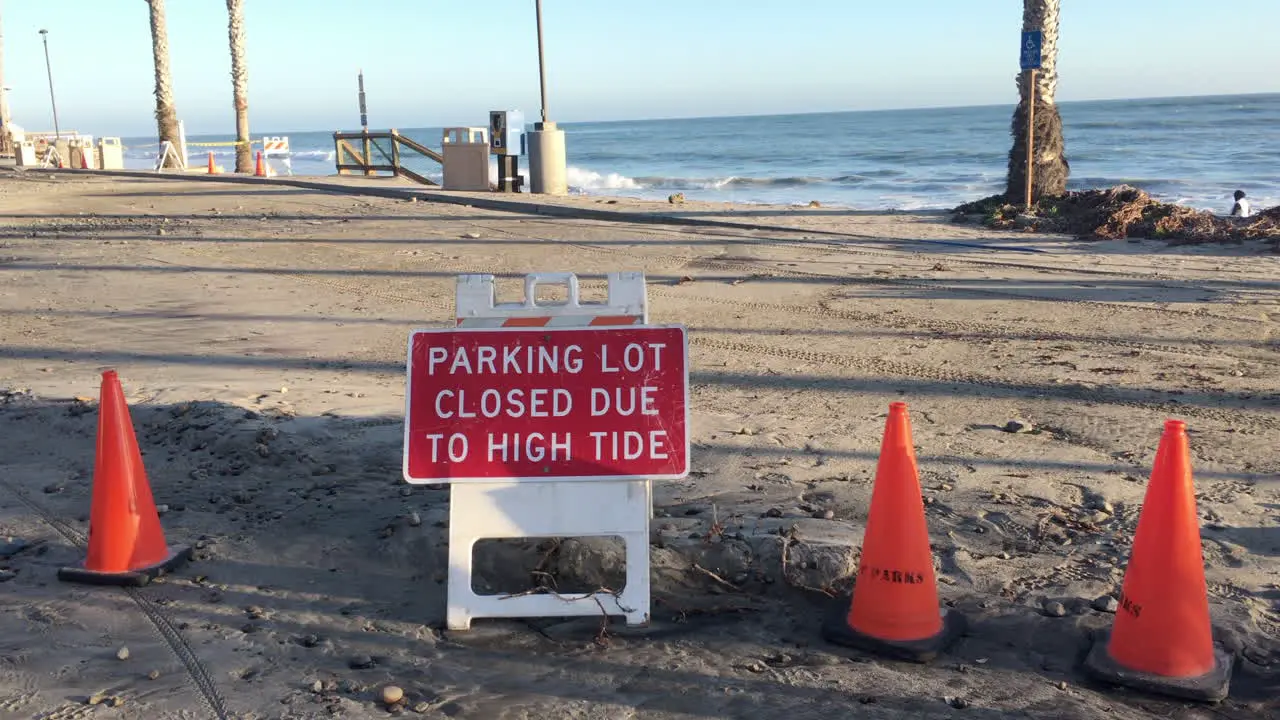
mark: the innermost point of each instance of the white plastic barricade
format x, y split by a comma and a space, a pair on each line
277, 147
548, 420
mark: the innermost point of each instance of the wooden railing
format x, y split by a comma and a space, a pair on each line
381, 152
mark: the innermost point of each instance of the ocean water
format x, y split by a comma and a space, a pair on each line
1192, 151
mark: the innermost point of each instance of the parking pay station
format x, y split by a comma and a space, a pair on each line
506, 141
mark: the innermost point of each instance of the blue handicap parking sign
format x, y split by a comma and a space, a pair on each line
1032, 41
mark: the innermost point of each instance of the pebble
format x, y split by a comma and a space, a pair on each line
310, 641
317, 687
1061, 685
1106, 604
122, 653
360, 662
958, 703
471, 236
1053, 608
1018, 426
422, 707
414, 519
946, 487
392, 695
773, 513
162, 509
153, 675
825, 514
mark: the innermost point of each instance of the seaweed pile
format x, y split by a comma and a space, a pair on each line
1118, 213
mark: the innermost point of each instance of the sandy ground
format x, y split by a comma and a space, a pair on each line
260, 335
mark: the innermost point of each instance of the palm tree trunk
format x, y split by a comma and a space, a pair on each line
1051, 168
166, 113
239, 85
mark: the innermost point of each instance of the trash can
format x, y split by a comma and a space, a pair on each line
80, 154
25, 154
112, 153
466, 159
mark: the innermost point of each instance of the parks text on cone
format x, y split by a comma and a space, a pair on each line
1161, 640
894, 609
126, 543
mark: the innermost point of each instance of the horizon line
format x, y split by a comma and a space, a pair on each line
834, 112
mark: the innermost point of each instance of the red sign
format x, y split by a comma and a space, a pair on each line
547, 403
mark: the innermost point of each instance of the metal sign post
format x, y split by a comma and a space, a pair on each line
548, 420
1032, 43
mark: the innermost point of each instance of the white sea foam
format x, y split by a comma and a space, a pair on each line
591, 180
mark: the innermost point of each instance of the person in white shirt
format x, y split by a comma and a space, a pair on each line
1241, 208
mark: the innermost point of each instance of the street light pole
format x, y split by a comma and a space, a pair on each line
4, 99
44, 35
548, 168
542, 68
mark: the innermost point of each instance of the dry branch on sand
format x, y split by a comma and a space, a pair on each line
1121, 212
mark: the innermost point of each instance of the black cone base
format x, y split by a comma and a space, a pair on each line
1210, 687
178, 556
836, 630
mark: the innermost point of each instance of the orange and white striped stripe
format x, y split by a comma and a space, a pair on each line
275, 145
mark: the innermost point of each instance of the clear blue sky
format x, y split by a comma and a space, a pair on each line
436, 62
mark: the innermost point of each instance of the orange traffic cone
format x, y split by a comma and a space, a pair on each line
1161, 640
84, 161
894, 609
261, 170
212, 169
126, 542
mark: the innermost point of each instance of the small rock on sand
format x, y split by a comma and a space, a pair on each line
1106, 604
1018, 426
122, 653
1053, 608
392, 695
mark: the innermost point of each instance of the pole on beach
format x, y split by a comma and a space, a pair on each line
364, 127
542, 68
548, 166
4, 105
44, 34
1031, 133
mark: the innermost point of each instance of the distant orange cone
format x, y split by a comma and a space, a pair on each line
126, 542
1161, 640
212, 169
261, 170
84, 161
894, 609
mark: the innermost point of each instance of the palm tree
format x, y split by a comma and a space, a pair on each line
1051, 166
166, 113
239, 85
